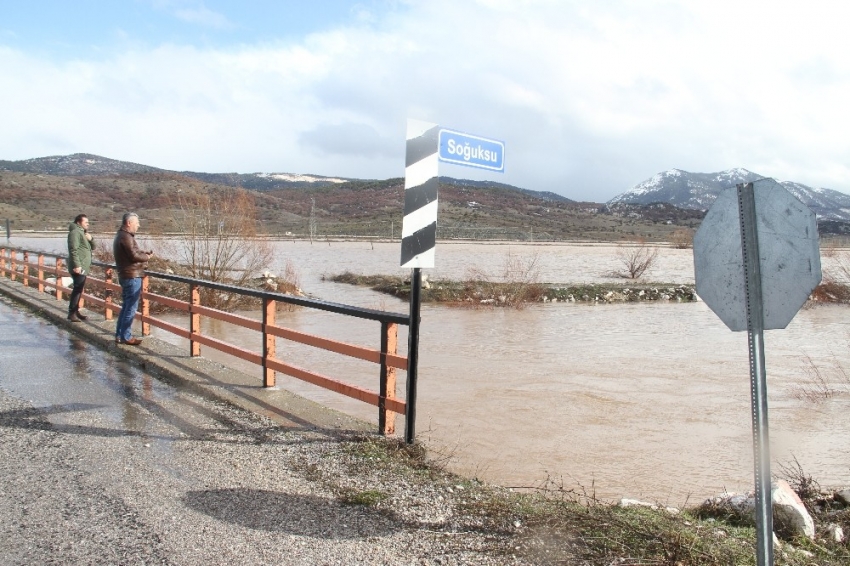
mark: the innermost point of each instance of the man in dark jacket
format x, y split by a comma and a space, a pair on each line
131, 266
80, 245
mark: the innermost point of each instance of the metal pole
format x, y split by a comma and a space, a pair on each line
413, 354
758, 375
8, 231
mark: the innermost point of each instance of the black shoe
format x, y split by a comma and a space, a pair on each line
74, 318
81, 316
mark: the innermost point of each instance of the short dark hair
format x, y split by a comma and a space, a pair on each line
127, 216
79, 218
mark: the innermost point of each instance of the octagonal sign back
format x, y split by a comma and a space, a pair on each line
789, 256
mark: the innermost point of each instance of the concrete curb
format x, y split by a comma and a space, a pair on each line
171, 365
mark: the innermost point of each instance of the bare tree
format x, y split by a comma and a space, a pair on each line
682, 239
516, 286
636, 259
218, 239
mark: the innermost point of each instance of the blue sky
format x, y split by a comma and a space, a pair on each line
590, 98
58, 29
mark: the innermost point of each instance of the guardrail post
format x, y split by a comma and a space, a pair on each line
58, 266
194, 319
269, 308
26, 280
389, 345
107, 295
146, 305
14, 257
40, 273
413, 354
2, 261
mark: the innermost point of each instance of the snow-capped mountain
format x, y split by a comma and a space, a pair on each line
699, 190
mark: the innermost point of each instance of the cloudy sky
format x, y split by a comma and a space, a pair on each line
590, 97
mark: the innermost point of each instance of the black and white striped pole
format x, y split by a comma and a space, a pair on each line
427, 145
418, 239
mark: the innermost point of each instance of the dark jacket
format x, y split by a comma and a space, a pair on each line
128, 257
79, 249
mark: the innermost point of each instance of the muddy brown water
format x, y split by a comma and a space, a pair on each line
634, 400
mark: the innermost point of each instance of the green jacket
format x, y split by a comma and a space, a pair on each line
79, 249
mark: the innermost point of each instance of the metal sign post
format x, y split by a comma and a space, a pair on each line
418, 239
756, 260
427, 145
758, 375
413, 354
8, 231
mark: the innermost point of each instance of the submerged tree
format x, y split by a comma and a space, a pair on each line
218, 239
636, 259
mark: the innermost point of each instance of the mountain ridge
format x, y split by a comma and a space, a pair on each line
39, 194
88, 164
698, 191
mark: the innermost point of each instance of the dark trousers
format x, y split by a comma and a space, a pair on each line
79, 284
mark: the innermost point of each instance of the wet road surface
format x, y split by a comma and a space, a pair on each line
102, 464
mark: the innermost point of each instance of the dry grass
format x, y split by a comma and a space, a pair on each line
516, 285
821, 381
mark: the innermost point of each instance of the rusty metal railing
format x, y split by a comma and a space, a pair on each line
16, 263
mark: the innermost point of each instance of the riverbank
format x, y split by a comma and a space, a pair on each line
476, 292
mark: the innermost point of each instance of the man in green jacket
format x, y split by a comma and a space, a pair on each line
80, 245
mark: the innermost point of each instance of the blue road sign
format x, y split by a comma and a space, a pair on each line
472, 151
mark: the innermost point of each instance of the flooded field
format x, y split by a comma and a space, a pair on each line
637, 400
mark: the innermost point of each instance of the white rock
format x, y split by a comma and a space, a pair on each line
789, 511
843, 496
834, 533
636, 503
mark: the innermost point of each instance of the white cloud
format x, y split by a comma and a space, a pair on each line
590, 98
203, 16
194, 12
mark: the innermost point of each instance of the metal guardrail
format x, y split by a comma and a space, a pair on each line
15, 263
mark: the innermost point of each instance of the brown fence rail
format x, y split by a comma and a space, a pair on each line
15, 263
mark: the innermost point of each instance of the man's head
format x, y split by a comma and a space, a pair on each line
82, 220
130, 221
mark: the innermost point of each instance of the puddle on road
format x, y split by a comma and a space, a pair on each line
81, 389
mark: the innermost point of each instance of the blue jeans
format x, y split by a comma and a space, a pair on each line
131, 291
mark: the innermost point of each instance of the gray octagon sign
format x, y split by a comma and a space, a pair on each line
789, 256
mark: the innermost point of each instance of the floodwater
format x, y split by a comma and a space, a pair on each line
635, 400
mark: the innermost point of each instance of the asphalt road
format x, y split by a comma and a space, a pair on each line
102, 464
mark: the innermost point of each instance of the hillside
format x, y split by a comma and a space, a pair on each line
45, 193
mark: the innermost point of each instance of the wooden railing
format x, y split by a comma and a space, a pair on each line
15, 263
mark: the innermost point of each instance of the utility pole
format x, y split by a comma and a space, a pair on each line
312, 219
